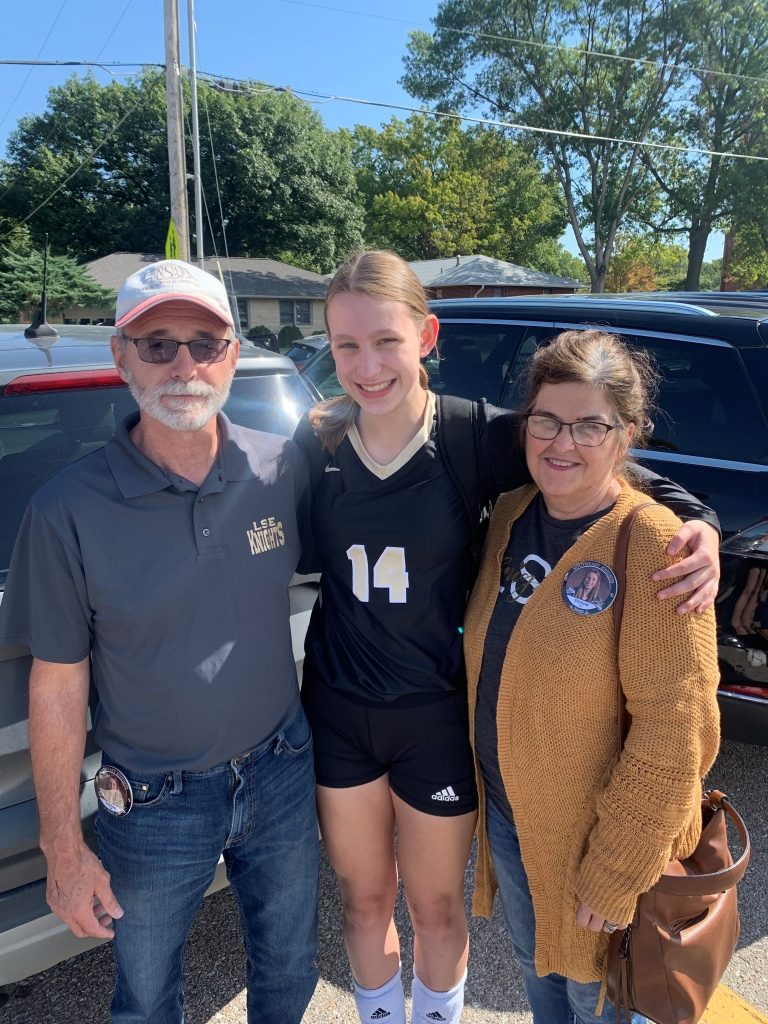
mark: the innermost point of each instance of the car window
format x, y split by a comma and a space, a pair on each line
474, 359
322, 373
517, 373
271, 402
756, 365
705, 404
42, 432
300, 351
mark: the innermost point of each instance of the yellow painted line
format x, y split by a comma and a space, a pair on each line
725, 1007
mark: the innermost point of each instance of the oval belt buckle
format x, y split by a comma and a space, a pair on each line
113, 790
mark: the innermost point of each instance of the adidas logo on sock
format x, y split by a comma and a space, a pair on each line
381, 1014
444, 794
437, 1015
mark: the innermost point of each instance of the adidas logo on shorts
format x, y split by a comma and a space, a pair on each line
381, 1014
436, 1015
444, 794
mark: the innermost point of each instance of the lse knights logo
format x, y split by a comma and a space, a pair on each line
266, 535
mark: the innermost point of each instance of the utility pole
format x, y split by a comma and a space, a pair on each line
192, 35
176, 160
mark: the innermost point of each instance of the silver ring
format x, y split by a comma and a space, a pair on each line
610, 927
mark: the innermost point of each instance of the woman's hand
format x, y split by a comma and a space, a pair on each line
587, 918
700, 571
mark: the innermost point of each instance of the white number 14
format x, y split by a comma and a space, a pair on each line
389, 573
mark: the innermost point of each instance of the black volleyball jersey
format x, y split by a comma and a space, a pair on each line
388, 621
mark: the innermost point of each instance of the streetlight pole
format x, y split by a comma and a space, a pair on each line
176, 160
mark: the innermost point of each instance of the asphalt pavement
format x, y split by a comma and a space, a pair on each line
78, 992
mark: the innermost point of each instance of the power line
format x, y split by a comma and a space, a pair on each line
28, 74
493, 37
563, 132
87, 63
114, 28
104, 65
79, 168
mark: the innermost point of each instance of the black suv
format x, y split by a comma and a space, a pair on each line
61, 398
710, 433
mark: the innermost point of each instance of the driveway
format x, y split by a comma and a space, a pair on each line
78, 992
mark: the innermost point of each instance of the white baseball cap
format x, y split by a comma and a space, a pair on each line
171, 281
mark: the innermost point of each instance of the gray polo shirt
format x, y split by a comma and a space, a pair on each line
179, 593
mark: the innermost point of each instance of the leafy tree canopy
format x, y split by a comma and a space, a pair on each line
721, 105
286, 183
432, 190
524, 61
689, 73
748, 266
645, 264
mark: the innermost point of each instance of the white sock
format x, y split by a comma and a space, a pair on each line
430, 1007
385, 1004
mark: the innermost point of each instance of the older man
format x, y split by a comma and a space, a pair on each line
136, 564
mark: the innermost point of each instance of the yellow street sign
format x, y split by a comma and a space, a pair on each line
172, 243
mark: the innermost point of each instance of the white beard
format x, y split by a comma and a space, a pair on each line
150, 401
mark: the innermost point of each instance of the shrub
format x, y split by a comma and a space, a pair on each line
288, 334
258, 331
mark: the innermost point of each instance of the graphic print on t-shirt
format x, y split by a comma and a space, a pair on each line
519, 581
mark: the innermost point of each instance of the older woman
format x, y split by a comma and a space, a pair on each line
574, 832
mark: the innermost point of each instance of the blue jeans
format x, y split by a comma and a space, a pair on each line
553, 998
259, 811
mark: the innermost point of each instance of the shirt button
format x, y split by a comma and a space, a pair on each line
206, 532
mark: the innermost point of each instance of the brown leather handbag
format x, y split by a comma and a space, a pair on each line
668, 962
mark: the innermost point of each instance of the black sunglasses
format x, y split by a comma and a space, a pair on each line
164, 350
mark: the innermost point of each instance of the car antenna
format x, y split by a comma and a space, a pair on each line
40, 328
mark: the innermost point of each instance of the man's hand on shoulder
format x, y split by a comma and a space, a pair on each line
80, 894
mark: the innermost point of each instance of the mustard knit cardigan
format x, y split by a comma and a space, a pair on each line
594, 828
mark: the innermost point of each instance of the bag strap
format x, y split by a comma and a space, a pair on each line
620, 571
458, 439
673, 885
715, 881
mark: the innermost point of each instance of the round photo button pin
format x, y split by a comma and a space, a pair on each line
113, 790
590, 588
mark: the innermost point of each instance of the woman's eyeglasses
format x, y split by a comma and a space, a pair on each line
589, 433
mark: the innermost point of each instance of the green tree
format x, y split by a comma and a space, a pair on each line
645, 264
431, 189
69, 284
554, 258
287, 184
748, 266
711, 275
720, 106
475, 58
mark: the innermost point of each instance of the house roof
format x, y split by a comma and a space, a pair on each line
484, 270
246, 277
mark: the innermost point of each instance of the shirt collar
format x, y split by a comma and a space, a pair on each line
136, 475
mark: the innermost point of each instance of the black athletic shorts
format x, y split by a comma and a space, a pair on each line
425, 749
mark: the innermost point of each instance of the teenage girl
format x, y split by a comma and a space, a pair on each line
384, 684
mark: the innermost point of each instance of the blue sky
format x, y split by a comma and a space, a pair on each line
313, 46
